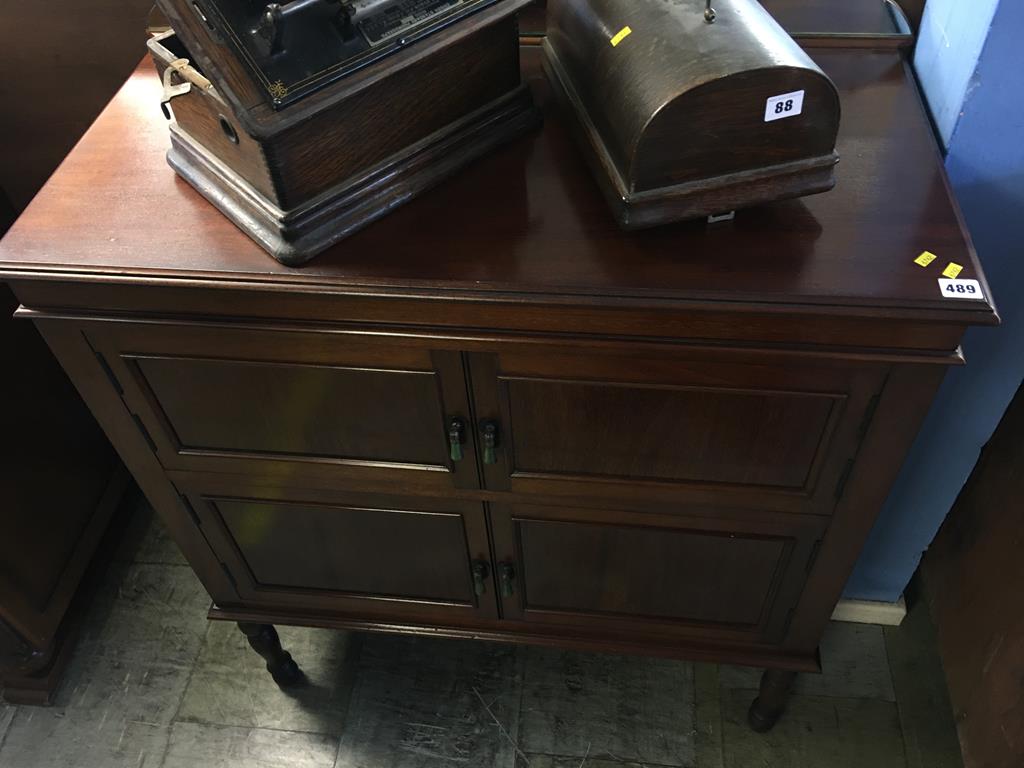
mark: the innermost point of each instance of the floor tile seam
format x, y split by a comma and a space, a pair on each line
522, 662
158, 562
7, 731
614, 759
806, 695
236, 726
719, 725
356, 683
153, 562
191, 673
900, 708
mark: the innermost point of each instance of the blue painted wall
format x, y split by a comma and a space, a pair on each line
985, 161
949, 44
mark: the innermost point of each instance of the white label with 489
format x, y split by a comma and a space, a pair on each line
785, 105
961, 289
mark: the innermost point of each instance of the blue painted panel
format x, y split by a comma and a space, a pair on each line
949, 44
986, 167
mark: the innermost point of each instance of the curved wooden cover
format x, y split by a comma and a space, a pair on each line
677, 99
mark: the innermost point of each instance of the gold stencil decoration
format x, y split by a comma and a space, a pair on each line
278, 90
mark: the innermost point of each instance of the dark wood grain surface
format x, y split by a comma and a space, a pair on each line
529, 219
672, 428
974, 579
683, 575
62, 62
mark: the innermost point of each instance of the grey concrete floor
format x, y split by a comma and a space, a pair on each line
154, 685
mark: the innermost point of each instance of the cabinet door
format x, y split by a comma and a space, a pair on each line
366, 556
717, 573
770, 433
326, 408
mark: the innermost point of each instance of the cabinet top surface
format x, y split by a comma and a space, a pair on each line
528, 221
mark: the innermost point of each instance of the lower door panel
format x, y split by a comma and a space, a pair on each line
698, 573
363, 555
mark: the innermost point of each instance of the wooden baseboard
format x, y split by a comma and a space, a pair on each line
871, 612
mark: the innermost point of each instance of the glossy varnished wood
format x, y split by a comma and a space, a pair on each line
848, 253
673, 426
697, 573
361, 554
291, 405
508, 296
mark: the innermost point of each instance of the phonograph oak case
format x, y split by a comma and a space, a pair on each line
305, 121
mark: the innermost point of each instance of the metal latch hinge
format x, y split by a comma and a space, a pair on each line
109, 373
145, 433
843, 478
869, 415
815, 549
789, 619
191, 511
230, 576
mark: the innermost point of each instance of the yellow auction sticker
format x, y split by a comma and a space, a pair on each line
925, 259
621, 35
952, 270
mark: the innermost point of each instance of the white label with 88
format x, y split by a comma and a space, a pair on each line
784, 105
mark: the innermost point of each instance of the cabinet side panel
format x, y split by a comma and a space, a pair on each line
99, 391
904, 402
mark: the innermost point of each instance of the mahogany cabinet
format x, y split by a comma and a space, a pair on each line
493, 414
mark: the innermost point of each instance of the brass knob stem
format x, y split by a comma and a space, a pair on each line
456, 437
489, 435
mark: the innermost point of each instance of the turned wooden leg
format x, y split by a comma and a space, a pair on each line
264, 640
771, 701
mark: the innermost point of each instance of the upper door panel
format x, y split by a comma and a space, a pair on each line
313, 405
772, 433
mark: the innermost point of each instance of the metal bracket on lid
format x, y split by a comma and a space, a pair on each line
189, 76
710, 14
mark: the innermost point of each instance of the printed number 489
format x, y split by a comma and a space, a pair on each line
960, 288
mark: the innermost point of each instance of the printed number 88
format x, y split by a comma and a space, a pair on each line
784, 106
